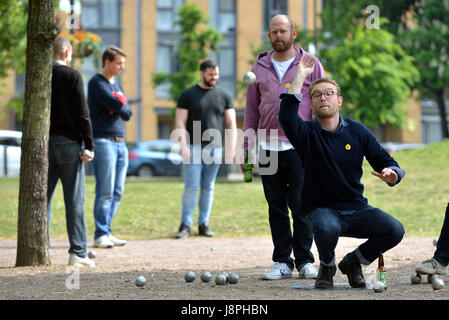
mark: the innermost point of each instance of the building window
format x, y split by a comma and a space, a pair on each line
164, 128
167, 38
103, 18
272, 8
223, 18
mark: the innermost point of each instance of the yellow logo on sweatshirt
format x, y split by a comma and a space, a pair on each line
348, 147
288, 85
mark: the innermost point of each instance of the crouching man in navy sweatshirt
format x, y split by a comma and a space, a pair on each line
332, 149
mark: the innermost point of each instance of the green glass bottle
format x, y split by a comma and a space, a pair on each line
248, 175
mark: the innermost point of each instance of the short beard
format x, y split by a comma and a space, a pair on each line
285, 45
324, 115
207, 83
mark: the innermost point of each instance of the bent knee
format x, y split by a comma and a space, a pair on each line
396, 231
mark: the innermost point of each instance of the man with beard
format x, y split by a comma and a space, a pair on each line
275, 71
202, 112
332, 150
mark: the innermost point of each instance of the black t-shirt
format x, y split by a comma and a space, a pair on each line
208, 107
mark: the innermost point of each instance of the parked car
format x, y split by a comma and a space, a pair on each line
10, 151
395, 146
154, 158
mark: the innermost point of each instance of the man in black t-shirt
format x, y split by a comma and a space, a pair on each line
202, 112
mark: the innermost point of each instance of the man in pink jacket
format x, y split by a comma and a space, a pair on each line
280, 168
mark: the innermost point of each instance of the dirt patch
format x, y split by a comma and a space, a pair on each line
164, 262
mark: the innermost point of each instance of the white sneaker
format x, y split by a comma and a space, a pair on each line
116, 241
308, 271
103, 242
76, 261
279, 271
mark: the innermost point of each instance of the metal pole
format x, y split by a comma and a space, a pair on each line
5, 158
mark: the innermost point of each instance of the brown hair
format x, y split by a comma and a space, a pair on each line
206, 64
327, 80
111, 52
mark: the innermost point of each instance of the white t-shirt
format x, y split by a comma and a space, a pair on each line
281, 66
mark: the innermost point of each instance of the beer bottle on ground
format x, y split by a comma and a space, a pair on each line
382, 271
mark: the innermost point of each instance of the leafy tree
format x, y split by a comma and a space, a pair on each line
341, 17
421, 28
429, 44
32, 245
375, 76
13, 40
13, 20
196, 41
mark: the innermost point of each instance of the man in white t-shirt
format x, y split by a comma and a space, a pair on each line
281, 170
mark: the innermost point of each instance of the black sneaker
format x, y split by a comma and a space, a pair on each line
184, 232
350, 266
325, 277
204, 230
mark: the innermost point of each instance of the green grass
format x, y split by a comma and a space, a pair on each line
152, 208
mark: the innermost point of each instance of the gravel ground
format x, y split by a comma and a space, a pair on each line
163, 262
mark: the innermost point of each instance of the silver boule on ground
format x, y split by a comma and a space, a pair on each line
220, 279
189, 276
437, 283
140, 281
205, 276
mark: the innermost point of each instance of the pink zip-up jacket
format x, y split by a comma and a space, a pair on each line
262, 97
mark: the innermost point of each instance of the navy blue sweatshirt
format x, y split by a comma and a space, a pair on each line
333, 160
106, 109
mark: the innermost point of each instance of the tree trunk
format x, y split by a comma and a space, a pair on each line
439, 97
32, 243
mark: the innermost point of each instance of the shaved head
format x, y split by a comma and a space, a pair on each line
60, 46
280, 17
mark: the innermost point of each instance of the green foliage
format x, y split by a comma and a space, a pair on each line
341, 17
17, 104
13, 21
375, 76
196, 41
429, 45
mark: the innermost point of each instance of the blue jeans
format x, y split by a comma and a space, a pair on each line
110, 165
382, 230
282, 191
64, 163
442, 252
200, 174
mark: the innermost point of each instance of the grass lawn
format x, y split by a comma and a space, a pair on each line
151, 208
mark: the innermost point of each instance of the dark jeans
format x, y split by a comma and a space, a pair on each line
65, 164
282, 191
442, 252
382, 230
